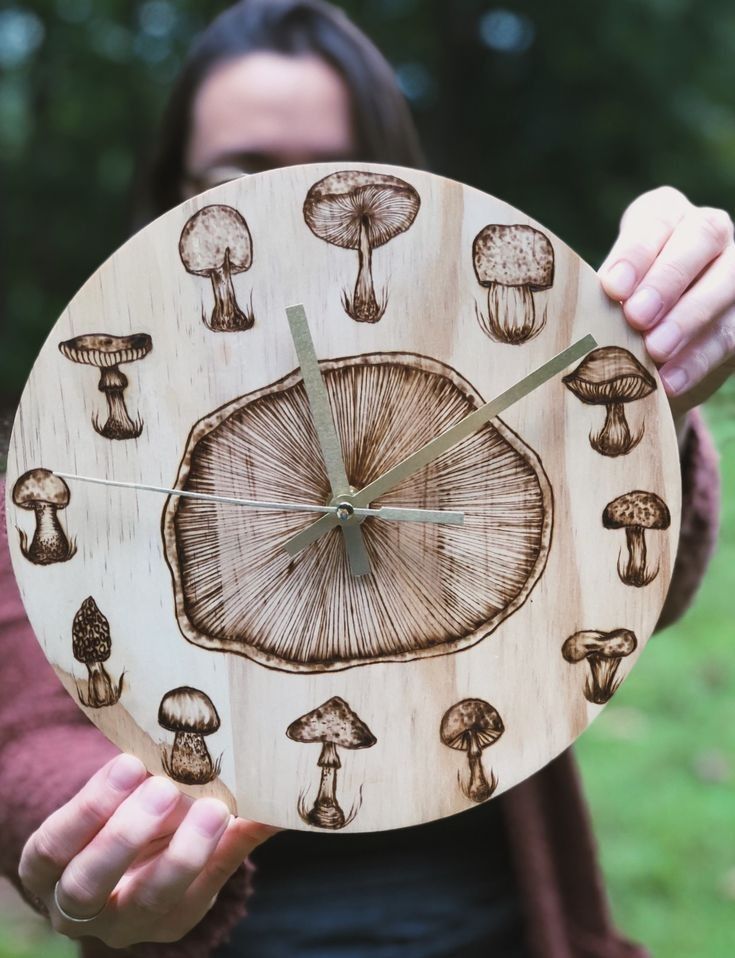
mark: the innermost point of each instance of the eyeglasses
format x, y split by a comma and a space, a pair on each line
215, 176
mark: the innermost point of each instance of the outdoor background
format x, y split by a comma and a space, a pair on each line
567, 110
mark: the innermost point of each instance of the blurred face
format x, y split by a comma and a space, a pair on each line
265, 110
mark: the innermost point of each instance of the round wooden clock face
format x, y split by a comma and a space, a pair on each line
366, 672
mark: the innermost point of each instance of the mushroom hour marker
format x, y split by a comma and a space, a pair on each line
190, 714
611, 376
45, 494
91, 645
603, 651
332, 724
215, 242
108, 353
635, 512
361, 211
513, 263
471, 726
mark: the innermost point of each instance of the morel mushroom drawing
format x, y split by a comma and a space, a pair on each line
190, 714
91, 644
361, 211
435, 589
331, 724
108, 353
471, 726
635, 512
603, 651
513, 263
215, 242
611, 376
45, 494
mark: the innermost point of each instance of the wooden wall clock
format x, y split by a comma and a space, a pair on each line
343, 669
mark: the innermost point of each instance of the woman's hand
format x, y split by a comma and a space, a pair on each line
134, 851
673, 269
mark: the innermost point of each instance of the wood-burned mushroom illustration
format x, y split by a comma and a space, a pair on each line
108, 353
190, 714
611, 376
513, 263
471, 726
92, 644
45, 494
635, 512
361, 211
331, 724
215, 242
603, 652
434, 589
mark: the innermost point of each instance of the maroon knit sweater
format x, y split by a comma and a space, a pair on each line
48, 749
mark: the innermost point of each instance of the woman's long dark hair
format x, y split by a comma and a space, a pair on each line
383, 126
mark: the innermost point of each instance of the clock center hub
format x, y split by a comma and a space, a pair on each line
346, 508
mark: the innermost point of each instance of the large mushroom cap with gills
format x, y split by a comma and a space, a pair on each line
188, 710
338, 205
468, 719
40, 487
615, 644
644, 510
333, 722
513, 256
90, 634
610, 374
211, 237
102, 350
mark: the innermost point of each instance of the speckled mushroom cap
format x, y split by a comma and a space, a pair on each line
188, 710
101, 350
615, 644
40, 487
213, 234
609, 374
334, 722
90, 634
513, 256
336, 206
638, 508
471, 715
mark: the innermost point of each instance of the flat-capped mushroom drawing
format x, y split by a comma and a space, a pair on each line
108, 353
611, 376
215, 242
331, 724
513, 263
635, 512
471, 726
92, 644
45, 494
190, 714
361, 211
603, 651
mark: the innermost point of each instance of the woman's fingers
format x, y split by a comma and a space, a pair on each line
710, 356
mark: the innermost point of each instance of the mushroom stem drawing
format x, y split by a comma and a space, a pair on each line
603, 651
91, 644
190, 714
364, 306
635, 512
44, 493
471, 726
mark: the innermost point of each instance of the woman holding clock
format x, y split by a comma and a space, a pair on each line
273, 83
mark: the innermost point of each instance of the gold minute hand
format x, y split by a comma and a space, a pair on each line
438, 446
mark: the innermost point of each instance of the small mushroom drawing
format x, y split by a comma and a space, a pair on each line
108, 353
361, 211
190, 714
635, 512
471, 726
215, 242
603, 651
44, 493
611, 376
513, 263
331, 724
91, 644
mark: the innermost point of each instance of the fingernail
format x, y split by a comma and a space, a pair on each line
620, 279
663, 340
158, 795
125, 772
210, 817
644, 306
675, 380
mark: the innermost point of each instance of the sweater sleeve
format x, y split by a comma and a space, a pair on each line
49, 749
